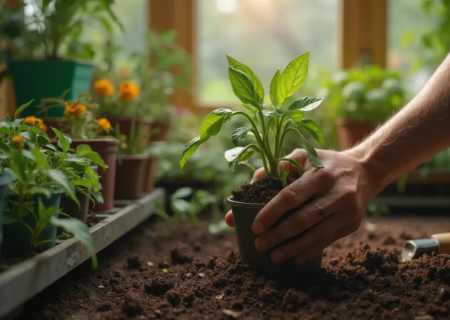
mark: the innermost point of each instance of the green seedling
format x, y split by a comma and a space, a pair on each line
269, 125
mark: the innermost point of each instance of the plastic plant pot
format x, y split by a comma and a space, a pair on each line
41, 79
70, 208
17, 238
125, 127
149, 176
130, 175
243, 216
5, 179
107, 149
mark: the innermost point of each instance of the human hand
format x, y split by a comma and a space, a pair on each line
339, 193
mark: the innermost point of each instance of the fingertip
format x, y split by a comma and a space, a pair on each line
229, 219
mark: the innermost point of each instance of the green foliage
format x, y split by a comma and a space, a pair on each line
366, 93
268, 125
132, 144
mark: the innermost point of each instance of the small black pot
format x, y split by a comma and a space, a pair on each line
243, 216
69, 206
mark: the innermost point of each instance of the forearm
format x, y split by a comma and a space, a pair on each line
419, 131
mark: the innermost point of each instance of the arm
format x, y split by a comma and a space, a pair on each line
344, 188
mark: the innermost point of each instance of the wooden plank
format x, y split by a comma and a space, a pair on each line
23, 281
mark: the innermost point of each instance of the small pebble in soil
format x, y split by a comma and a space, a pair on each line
188, 298
181, 254
269, 295
220, 281
132, 306
173, 297
134, 261
294, 300
158, 286
444, 293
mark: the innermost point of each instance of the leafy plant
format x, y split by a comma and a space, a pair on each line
268, 125
132, 144
366, 93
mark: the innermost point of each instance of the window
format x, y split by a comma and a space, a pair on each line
290, 27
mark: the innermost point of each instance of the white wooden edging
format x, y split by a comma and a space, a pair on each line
26, 279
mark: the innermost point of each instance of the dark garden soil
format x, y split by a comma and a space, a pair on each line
160, 272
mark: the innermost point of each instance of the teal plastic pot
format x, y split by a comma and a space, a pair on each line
43, 79
5, 179
17, 238
243, 216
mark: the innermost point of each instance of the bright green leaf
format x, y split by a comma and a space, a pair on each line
292, 161
241, 67
296, 115
190, 149
62, 141
243, 87
21, 108
213, 122
273, 88
62, 179
313, 129
182, 193
306, 104
238, 154
292, 78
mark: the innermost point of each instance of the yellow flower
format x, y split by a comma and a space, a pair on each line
124, 145
129, 91
18, 138
104, 123
104, 87
75, 110
31, 120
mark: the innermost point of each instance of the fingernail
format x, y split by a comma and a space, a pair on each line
279, 256
257, 227
261, 245
299, 261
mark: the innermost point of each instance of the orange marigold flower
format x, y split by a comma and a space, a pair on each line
43, 127
104, 87
75, 110
129, 91
31, 120
104, 123
18, 138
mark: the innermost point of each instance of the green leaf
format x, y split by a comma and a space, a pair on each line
273, 88
241, 67
292, 161
80, 231
21, 108
62, 141
239, 134
306, 104
39, 158
292, 78
182, 193
85, 151
180, 206
190, 149
243, 87
62, 179
45, 214
296, 115
312, 154
160, 211
313, 129
278, 112
236, 155
213, 122
219, 227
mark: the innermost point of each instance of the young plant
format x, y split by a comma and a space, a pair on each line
268, 124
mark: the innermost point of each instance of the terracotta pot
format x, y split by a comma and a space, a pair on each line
243, 216
350, 132
130, 176
107, 149
125, 126
149, 174
163, 134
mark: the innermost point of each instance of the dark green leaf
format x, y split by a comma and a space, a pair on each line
62, 141
190, 149
80, 231
243, 87
292, 78
62, 179
239, 134
213, 122
313, 129
273, 88
306, 104
312, 154
239, 66
21, 108
85, 151
238, 154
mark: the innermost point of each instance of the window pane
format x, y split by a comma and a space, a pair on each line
264, 35
407, 22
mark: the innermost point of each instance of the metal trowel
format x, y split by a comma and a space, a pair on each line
439, 243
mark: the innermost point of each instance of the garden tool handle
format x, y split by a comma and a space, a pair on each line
444, 242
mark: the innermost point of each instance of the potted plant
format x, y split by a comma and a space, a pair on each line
81, 125
361, 98
162, 68
133, 164
268, 127
5, 179
36, 43
32, 210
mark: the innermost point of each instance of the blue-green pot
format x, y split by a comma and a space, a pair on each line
17, 238
41, 79
5, 179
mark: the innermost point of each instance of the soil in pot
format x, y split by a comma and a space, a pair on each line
148, 183
182, 272
17, 238
125, 127
246, 204
130, 176
107, 149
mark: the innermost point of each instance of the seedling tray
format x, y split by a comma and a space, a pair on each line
26, 279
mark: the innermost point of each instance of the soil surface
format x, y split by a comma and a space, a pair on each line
261, 191
176, 272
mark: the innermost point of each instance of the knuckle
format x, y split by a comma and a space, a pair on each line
325, 176
289, 195
348, 194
